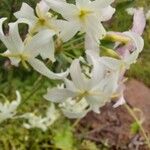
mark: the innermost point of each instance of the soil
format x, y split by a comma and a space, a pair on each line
112, 127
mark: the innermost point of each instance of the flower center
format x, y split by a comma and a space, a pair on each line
83, 13
42, 22
81, 95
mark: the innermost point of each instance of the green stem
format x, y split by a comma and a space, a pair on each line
35, 86
73, 41
131, 112
4, 97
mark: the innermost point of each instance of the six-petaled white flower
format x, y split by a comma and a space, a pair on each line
89, 88
96, 89
40, 122
44, 20
17, 50
86, 16
8, 109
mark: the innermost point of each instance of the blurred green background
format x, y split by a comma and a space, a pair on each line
12, 135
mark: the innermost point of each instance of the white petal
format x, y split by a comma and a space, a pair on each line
72, 109
76, 75
70, 85
106, 14
26, 12
90, 54
138, 43
108, 85
82, 3
12, 41
58, 95
96, 102
101, 3
42, 43
14, 61
95, 29
65, 9
40, 67
137, 39
91, 44
120, 102
67, 29
98, 70
111, 63
42, 8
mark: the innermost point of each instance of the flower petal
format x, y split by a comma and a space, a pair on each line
58, 95
26, 13
76, 75
40, 67
82, 3
91, 44
72, 109
65, 9
42, 8
139, 21
138, 42
120, 102
67, 29
101, 3
70, 85
106, 13
43, 46
12, 41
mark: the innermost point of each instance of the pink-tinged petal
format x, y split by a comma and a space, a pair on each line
44, 8
139, 21
120, 102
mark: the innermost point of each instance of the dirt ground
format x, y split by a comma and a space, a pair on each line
112, 126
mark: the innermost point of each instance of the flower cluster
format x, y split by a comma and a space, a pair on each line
93, 79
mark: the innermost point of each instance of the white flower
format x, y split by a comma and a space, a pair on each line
86, 16
41, 122
43, 20
96, 89
73, 109
17, 50
8, 109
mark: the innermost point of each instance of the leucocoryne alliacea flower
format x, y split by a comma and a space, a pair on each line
27, 51
85, 92
44, 20
92, 82
43, 123
87, 17
8, 109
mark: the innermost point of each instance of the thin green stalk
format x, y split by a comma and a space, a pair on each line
76, 123
131, 112
35, 86
72, 42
